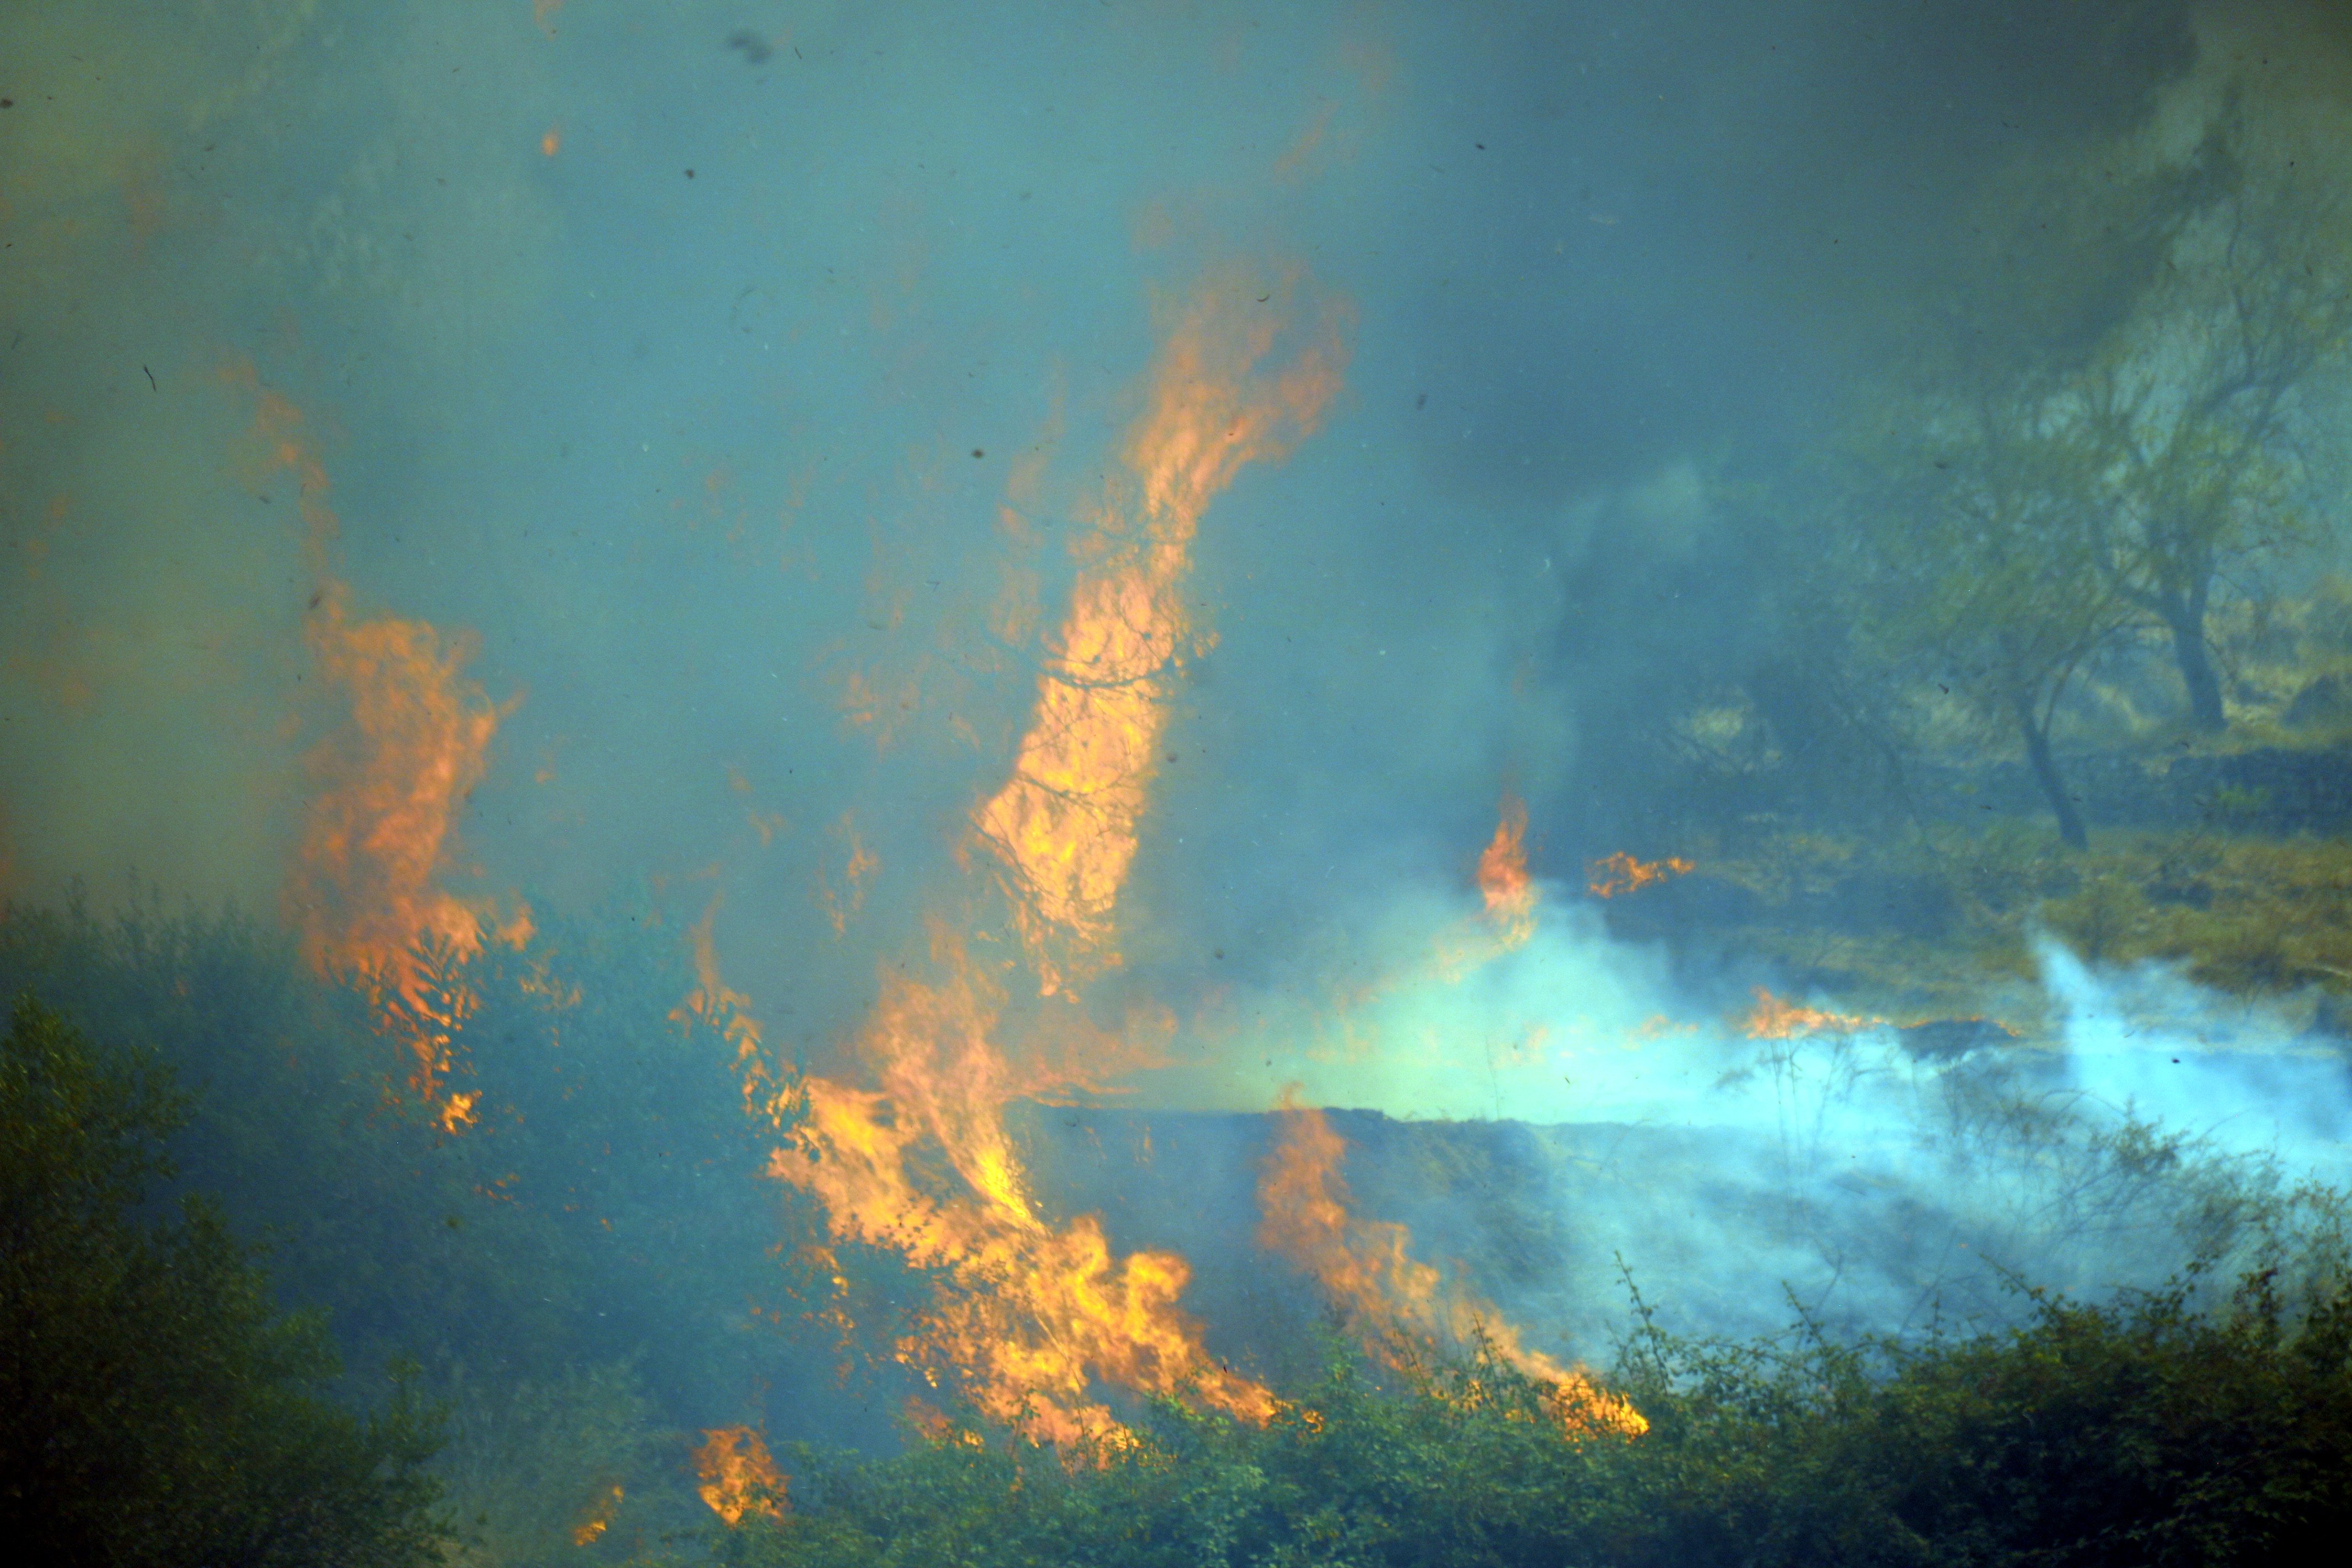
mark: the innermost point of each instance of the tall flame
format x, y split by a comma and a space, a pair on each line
380, 831
1503, 876
1064, 824
1368, 1270
1031, 1313
1033, 1316
1510, 896
769, 1092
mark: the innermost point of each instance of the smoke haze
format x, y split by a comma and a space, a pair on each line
460, 459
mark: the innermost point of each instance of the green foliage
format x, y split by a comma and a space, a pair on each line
605, 1208
155, 1407
2145, 1433
607, 1199
1452, 1465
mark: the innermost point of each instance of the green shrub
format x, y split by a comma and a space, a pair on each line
2144, 1433
155, 1407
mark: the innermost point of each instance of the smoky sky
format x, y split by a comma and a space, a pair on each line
691, 357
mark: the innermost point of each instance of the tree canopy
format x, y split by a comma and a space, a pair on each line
155, 1406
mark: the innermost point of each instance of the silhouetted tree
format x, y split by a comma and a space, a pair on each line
155, 1407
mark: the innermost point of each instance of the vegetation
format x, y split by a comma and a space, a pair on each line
1942, 921
583, 1280
2145, 1433
2087, 504
155, 1407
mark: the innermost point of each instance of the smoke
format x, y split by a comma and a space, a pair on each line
765, 426
1739, 1161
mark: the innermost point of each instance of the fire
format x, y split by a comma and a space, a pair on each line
768, 1093
1033, 1316
1064, 825
738, 1476
381, 830
1510, 894
1503, 876
1774, 1019
1367, 1270
598, 1518
1621, 873
381, 827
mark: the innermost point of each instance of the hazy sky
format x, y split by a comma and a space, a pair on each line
687, 357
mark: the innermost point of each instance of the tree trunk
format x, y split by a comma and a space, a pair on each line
2185, 618
2045, 770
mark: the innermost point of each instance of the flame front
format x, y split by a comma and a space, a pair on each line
737, 1475
1367, 1269
1774, 1019
1621, 873
1033, 1316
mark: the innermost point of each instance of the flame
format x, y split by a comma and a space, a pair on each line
1033, 1316
1064, 824
737, 1475
1774, 1019
1621, 873
856, 872
599, 1516
1510, 896
380, 830
768, 1092
1503, 876
1368, 1270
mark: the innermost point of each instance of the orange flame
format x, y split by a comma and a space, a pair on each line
1774, 1019
598, 1518
1368, 1270
1033, 1317
738, 1476
1503, 876
1031, 1314
1621, 873
1510, 895
768, 1092
1064, 824
382, 829
842, 907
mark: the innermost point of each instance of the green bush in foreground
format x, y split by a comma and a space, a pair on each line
2143, 1433
155, 1408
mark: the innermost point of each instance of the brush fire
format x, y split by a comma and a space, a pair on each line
1227, 785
